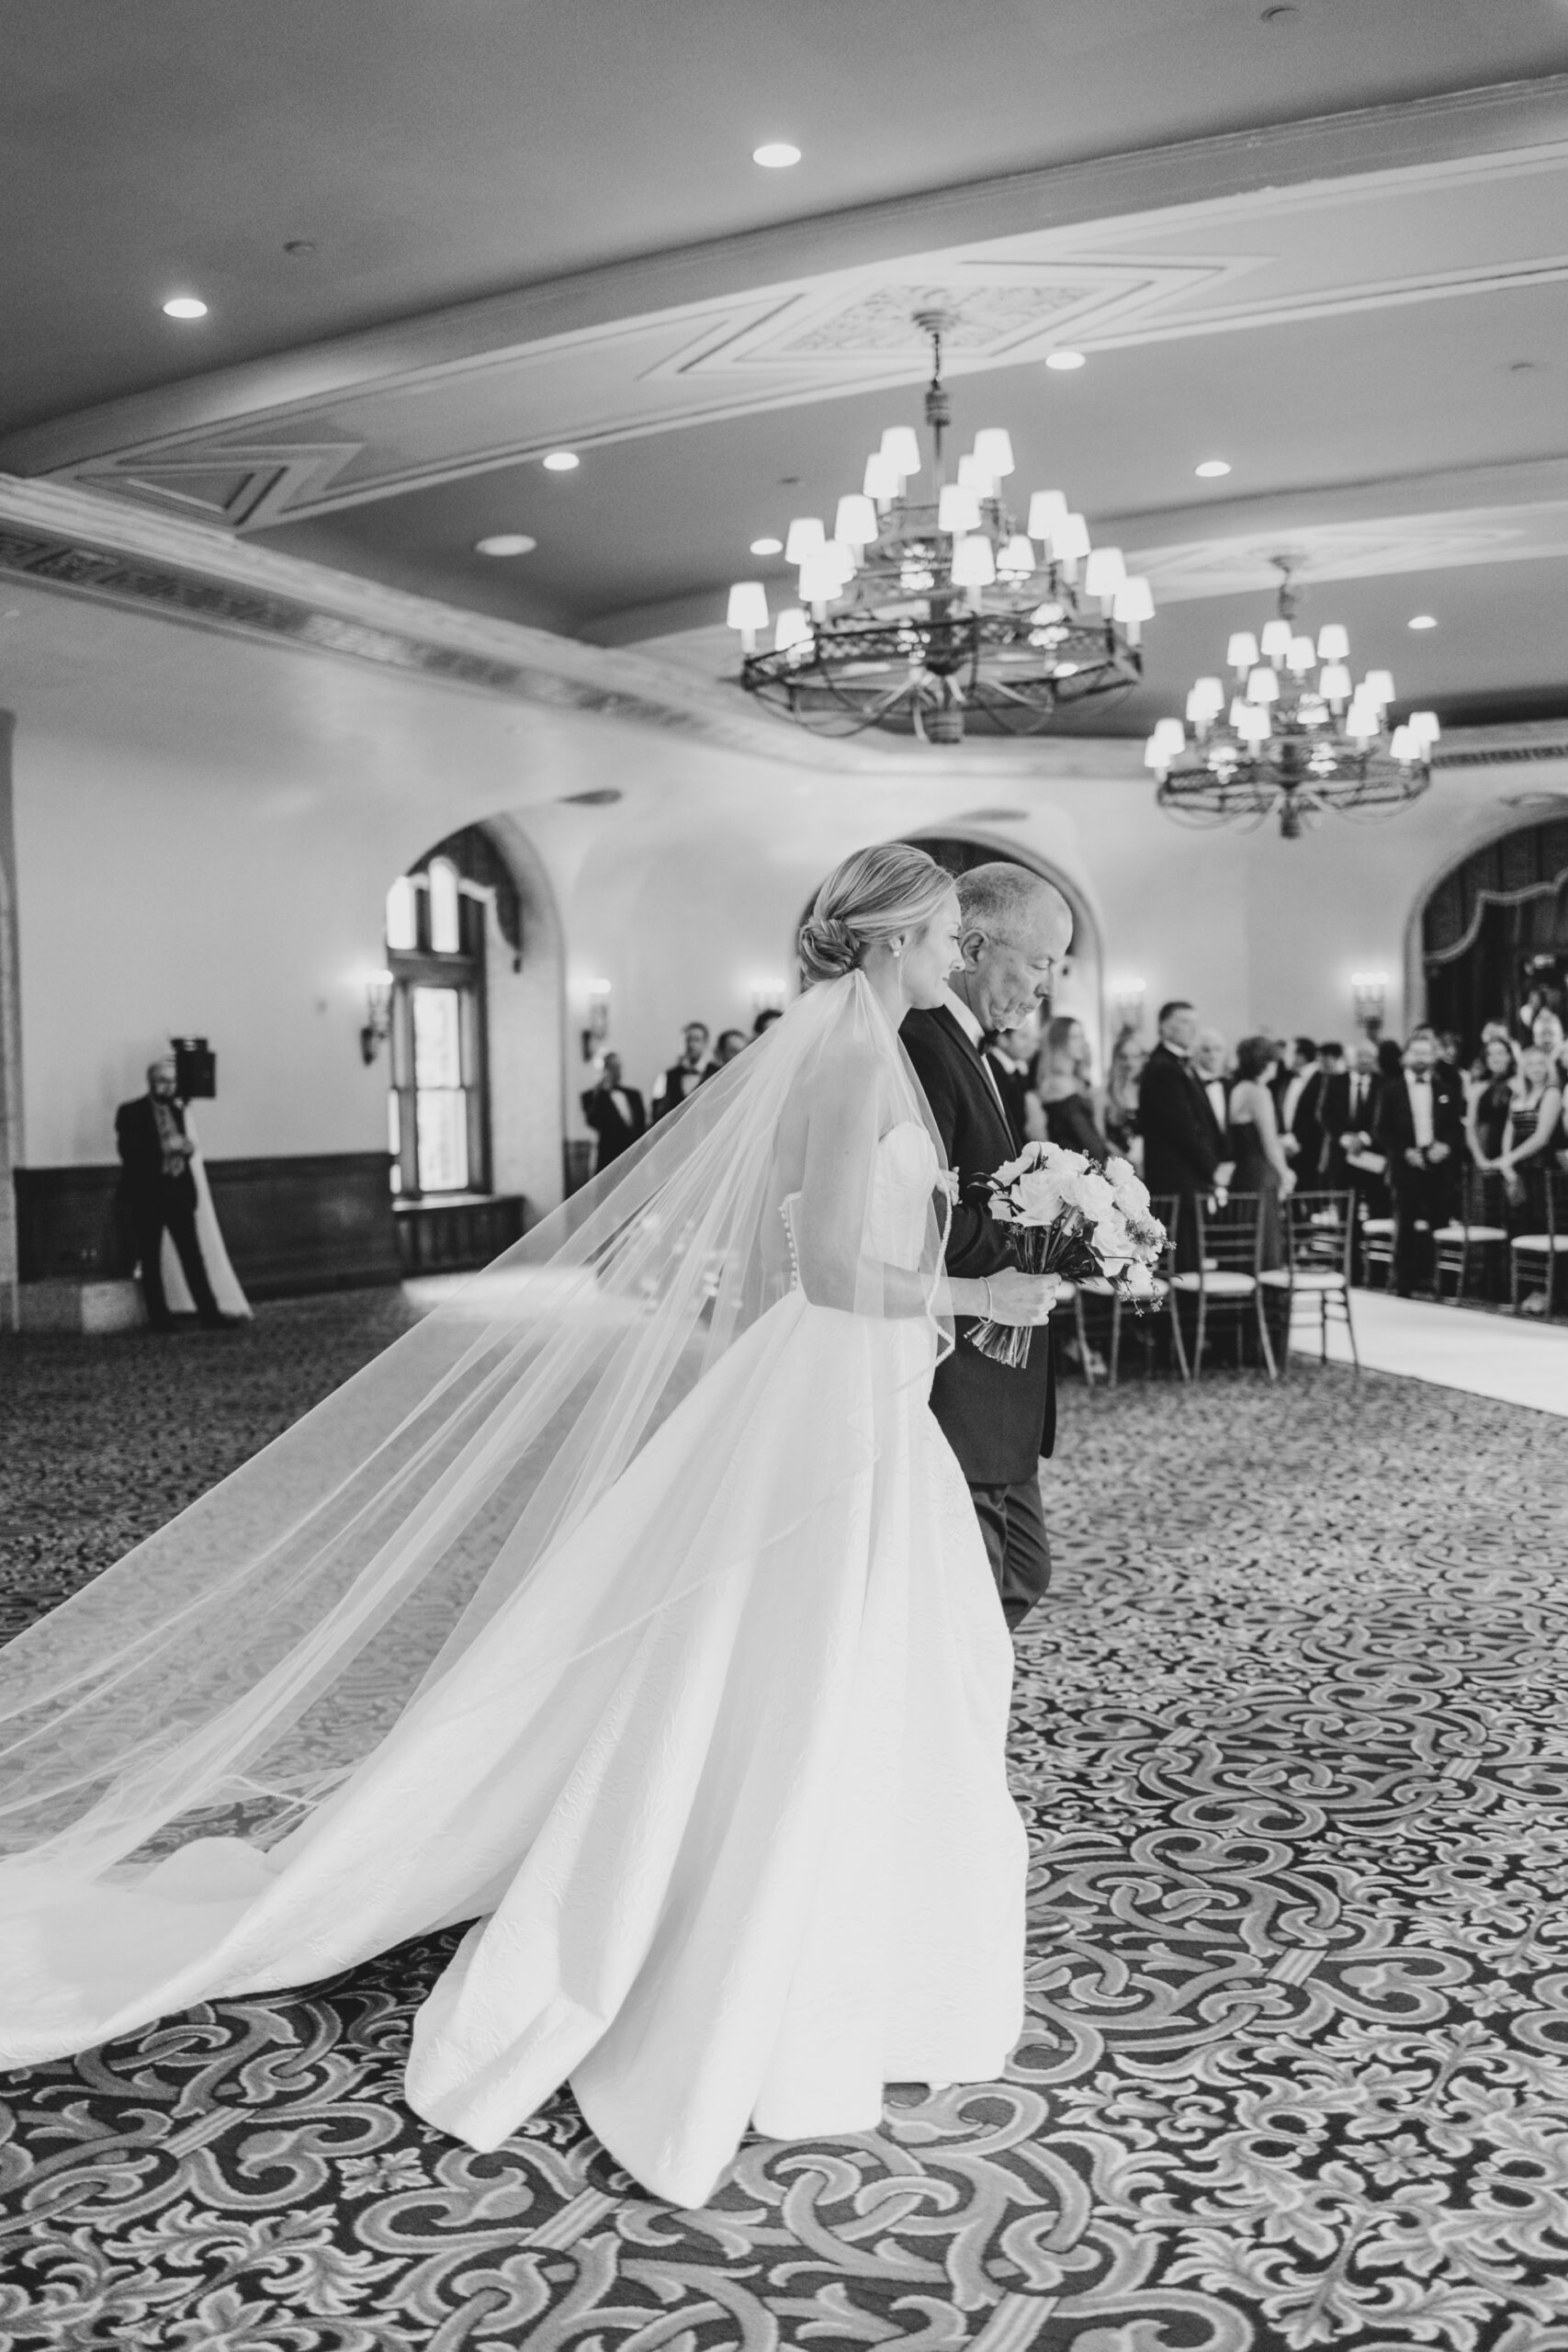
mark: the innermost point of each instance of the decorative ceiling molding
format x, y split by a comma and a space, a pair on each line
297, 402
1355, 551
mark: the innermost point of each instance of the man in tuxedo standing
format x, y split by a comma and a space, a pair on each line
1209, 1057
1300, 1134
671, 1087
159, 1193
1419, 1128
1184, 1144
1014, 929
615, 1111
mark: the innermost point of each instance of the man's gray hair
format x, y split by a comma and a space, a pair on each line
996, 898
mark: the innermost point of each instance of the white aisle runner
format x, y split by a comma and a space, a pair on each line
1490, 1355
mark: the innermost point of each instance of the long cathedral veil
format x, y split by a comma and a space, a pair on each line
230, 1672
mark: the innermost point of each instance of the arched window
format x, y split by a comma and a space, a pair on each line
402, 914
446, 915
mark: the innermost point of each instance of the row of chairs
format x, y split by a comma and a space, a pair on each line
1476, 1241
1230, 1285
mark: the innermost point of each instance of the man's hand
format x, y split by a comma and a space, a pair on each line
1415, 1156
1437, 1152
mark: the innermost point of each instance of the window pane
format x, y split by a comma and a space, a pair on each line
437, 1038
443, 1139
394, 1141
401, 920
446, 931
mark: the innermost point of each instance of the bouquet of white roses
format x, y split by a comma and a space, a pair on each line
1066, 1216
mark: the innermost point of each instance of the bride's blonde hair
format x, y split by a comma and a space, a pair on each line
877, 891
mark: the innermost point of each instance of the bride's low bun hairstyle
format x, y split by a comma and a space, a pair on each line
873, 895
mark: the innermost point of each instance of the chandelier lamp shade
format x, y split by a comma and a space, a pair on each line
1290, 734
932, 609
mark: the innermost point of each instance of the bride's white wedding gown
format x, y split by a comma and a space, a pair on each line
742, 1866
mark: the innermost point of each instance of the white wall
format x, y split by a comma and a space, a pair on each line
206, 830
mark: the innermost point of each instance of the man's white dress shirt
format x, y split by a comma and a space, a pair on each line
1419, 1089
974, 1033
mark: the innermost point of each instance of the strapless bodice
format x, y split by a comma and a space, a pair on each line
901, 1186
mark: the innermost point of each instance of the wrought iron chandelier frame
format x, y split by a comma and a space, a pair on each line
905, 648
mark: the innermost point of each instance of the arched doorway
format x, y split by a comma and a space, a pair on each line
1495, 932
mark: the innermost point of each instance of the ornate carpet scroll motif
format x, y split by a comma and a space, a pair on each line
1290, 1744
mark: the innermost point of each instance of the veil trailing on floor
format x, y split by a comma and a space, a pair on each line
230, 1673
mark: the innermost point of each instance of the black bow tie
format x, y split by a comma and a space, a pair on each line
1421, 1077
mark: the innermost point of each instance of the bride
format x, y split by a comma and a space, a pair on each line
631, 1607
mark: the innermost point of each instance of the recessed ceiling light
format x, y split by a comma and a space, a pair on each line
184, 306
777, 155
767, 546
506, 543
1423, 620
300, 247
561, 462
1064, 359
1212, 468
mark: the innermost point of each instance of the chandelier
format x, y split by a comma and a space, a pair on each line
938, 616
1286, 740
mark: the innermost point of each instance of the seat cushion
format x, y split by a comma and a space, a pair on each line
1540, 1245
1460, 1234
1304, 1278
1220, 1282
1376, 1227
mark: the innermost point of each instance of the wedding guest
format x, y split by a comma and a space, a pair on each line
1390, 1060
1534, 1119
615, 1111
1256, 1144
1063, 1090
1009, 1055
1491, 1104
672, 1086
158, 1187
730, 1043
1210, 1059
1350, 1159
1120, 1123
1301, 1137
1420, 1132
1545, 1034
765, 1021
1184, 1144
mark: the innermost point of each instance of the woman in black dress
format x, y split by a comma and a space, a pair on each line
1062, 1085
1261, 1165
1535, 1123
1491, 1103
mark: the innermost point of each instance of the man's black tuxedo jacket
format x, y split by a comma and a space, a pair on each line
1308, 1128
1183, 1143
615, 1135
667, 1094
141, 1155
998, 1421
1395, 1131
1012, 1085
1336, 1119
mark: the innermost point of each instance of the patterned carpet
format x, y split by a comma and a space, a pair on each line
1290, 1747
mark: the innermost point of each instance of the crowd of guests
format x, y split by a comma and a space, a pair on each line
1415, 1133
618, 1114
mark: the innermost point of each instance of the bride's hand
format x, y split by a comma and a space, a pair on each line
1018, 1297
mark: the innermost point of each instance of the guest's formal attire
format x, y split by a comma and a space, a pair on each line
1219, 1096
1415, 1112
618, 1116
158, 1189
1256, 1172
672, 1086
1493, 1110
1301, 1119
997, 1419
1183, 1141
1070, 1123
1349, 1108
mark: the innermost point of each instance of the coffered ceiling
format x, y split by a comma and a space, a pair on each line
1327, 242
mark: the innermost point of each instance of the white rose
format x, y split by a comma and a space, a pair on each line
1140, 1281
1039, 1196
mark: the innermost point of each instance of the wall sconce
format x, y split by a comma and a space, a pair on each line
1369, 1000
377, 1016
597, 1027
1127, 1004
768, 996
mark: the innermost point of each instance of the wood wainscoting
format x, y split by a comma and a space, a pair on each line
452, 1233
319, 1221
